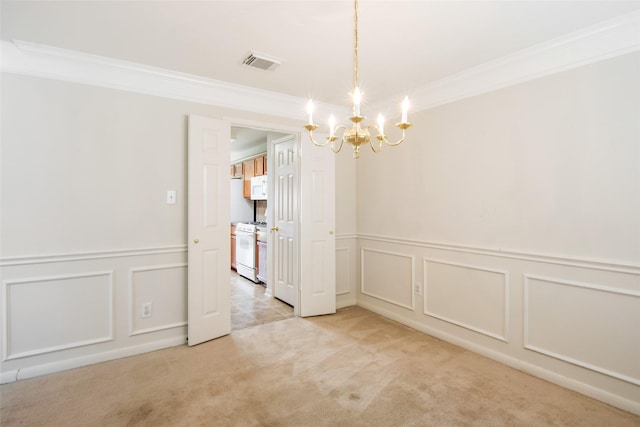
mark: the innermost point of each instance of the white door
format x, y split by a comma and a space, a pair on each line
317, 229
209, 281
284, 236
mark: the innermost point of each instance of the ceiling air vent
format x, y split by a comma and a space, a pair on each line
262, 61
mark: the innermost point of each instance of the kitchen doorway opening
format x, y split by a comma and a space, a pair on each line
252, 306
252, 297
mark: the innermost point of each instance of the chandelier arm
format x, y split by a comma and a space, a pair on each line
319, 144
334, 138
373, 147
333, 145
373, 126
393, 144
343, 127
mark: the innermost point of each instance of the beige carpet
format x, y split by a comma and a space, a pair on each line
350, 369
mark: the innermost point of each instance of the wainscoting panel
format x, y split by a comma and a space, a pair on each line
601, 333
568, 320
51, 313
165, 287
346, 270
388, 276
476, 298
64, 311
343, 271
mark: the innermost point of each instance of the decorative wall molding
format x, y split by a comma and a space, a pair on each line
411, 279
347, 256
604, 376
346, 236
90, 255
7, 324
614, 266
504, 336
604, 40
632, 406
132, 311
564, 357
32, 59
601, 41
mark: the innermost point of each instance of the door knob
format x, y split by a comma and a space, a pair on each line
275, 228
196, 241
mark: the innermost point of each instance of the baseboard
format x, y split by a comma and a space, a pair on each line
346, 302
536, 371
63, 365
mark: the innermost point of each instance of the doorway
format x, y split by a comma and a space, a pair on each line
252, 302
252, 306
208, 223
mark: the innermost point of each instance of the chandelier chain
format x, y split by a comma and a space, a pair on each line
355, 48
358, 133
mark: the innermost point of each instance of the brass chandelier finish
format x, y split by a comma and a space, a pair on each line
357, 134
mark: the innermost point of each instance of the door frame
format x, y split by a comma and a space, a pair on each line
296, 131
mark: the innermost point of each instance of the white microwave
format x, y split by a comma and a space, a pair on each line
259, 187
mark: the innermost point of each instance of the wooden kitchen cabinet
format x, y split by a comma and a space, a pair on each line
248, 167
236, 170
259, 166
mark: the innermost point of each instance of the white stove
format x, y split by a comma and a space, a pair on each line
246, 249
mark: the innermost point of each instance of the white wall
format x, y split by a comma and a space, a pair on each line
516, 214
86, 233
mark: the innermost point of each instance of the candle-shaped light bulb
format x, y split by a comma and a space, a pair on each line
332, 125
405, 109
357, 97
310, 111
380, 124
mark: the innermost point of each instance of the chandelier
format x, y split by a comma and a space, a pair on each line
359, 133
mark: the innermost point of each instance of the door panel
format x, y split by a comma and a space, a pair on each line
284, 232
317, 230
209, 305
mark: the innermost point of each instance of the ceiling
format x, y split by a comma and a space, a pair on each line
403, 44
247, 142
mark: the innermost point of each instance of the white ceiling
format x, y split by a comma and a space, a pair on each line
403, 44
247, 142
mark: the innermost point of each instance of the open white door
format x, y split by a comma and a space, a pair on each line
317, 229
209, 281
284, 230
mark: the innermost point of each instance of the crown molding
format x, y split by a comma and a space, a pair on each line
37, 60
604, 40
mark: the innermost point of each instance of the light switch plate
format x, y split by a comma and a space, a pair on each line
171, 197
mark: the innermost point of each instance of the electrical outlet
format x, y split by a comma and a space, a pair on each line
172, 196
417, 288
145, 310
